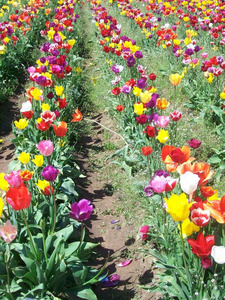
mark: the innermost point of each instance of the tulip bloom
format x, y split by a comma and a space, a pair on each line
201, 217
173, 156
218, 254
120, 108
45, 147
144, 232
146, 150
26, 175
4, 185
38, 160
189, 182
193, 143
14, 179
207, 191
217, 209
81, 210
77, 117
21, 124
175, 79
188, 228
8, 232
19, 198
200, 169
163, 136
176, 115
202, 246
1, 206
158, 184
24, 158
177, 207
49, 173
61, 129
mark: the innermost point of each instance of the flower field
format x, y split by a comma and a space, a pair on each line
157, 68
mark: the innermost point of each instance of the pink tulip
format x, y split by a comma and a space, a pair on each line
45, 147
204, 55
14, 179
158, 184
8, 232
163, 121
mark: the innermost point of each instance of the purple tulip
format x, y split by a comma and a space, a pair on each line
130, 61
138, 54
141, 83
81, 210
49, 173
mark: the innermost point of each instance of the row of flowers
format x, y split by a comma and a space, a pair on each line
181, 188
44, 251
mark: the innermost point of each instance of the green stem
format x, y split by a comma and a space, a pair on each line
29, 234
43, 240
203, 276
184, 259
7, 269
81, 235
54, 207
148, 167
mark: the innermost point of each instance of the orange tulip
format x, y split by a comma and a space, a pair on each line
201, 169
173, 156
217, 209
162, 103
26, 175
61, 129
77, 117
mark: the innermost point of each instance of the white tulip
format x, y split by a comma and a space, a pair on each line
189, 182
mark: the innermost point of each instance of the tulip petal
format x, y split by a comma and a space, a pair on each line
125, 263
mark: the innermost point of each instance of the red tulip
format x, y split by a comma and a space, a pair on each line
202, 246
19, 198
61, 129
146, 150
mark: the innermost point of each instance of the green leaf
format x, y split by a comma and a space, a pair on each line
83, 292
79, 272
71, 249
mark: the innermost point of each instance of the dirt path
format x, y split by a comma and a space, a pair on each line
120, 239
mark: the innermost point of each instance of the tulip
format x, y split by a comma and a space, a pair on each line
202, 246
158, 184
38, 160
163, 136
45, 147
138, 108
26, 175
189, 182
206, 263
175, 79
163, 121
146, 150
188, 228
19, 198
24, 158
61, 129
120, 108
207, 191
21, 124
4, 185
217, 209
77, 117
218, 254
200, 217
144, 232
177, 207
8, 232
49, 173
193, 143
81, 210
59, 90
176, 115
14, 179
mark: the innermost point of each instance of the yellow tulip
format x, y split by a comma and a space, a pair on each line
3, 183
24, 158
42, 184
45, 106
21, 124
59, 90
145, 97
38, 160
163, 136
175, 79
188, 228
177, 207
136, 91
1, 206
138, 108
